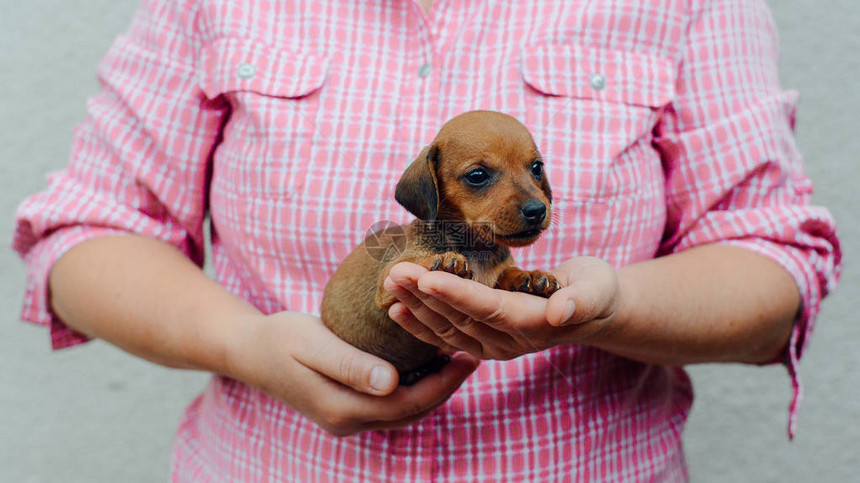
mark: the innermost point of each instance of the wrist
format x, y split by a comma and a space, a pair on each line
241, 346
627, 301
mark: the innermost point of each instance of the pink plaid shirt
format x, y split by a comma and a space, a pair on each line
663, 127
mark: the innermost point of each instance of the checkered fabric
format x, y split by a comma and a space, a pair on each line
662, 124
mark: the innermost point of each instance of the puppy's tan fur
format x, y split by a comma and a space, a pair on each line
462, 229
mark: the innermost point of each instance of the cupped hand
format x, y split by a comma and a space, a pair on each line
463, 315
296, 359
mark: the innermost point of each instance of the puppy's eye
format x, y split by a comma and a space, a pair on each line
537, 169
477, 177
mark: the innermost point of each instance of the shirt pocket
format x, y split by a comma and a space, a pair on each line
592, 112
274, 95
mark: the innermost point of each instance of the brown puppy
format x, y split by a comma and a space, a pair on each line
477, 189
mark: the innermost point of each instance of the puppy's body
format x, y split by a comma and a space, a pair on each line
477, 189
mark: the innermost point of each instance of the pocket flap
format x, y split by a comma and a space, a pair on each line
562, 69
233, 64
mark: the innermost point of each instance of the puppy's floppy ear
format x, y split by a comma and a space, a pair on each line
418, 189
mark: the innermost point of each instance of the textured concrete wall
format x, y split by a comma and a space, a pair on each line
96, 414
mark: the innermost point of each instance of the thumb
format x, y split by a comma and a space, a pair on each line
575, 304
331, 356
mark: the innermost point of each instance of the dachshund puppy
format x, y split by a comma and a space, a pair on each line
476, 190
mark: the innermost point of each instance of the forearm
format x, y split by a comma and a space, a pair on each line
146, 297
713, 303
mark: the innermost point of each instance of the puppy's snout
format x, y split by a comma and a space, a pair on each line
534, 211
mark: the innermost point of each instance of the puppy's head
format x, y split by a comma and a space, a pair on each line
484, 170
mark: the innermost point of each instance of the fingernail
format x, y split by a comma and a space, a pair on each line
568, 312
393, 287
428, 289
380, 378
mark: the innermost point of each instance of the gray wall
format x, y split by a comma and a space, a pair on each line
95, 414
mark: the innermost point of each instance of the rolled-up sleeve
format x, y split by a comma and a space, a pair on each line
139, 163
733, 171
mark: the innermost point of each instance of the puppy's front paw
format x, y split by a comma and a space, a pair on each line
451, 262
536, 282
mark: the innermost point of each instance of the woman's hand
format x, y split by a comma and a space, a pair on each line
296, 359
458, 314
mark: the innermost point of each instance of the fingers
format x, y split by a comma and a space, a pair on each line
327, 354
454, 327
407, 275
344, 412
425, 323
401, 314
409, 404
496, 308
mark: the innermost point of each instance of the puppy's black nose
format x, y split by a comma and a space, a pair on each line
534, 211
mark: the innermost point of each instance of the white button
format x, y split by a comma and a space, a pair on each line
246, 71
425, 70
598, 81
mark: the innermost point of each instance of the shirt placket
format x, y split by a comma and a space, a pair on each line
420, 97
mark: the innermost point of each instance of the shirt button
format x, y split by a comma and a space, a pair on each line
246, 71
598, 81
425, 70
